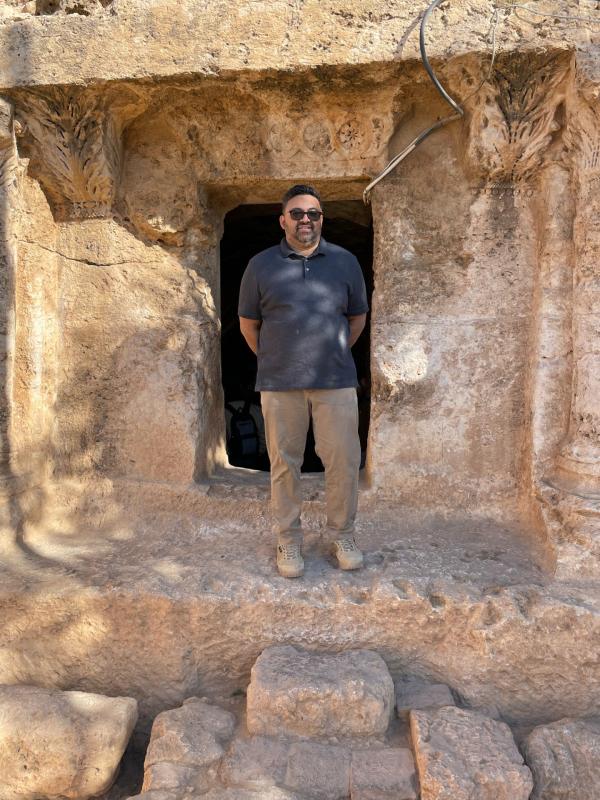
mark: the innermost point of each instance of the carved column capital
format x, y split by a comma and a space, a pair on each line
73, 139
514, 117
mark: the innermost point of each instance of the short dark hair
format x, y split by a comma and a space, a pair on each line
294, 191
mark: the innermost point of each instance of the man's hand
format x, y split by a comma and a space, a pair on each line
356, 325
250, 329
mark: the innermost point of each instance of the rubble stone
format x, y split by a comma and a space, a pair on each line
57, 744
185, 743
418, 695
298, 693
564, 758
385, 774
461, 755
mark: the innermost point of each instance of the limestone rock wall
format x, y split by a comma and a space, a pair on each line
451, 333
479, 292
190, 37
113, 338
129, 396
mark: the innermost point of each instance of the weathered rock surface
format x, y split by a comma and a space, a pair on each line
182, 761
338, 34
298, 693
318, 770
186, 746
256, 762
387, 774
419, 695
461, 755
564, 758
57, 744
270, 793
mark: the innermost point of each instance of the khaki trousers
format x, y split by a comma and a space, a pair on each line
335, 424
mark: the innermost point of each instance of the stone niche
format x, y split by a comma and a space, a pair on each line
117, 196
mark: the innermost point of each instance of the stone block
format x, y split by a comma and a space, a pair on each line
418, 695
318, 771
57, 744
564, 758
462, 755
186, 745
302, 694
189, 735
255, 763
386, 774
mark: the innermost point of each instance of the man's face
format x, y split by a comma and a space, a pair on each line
302, 232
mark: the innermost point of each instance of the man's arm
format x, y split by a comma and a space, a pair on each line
249, 329
356, 324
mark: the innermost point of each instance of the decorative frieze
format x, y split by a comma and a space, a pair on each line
343, 135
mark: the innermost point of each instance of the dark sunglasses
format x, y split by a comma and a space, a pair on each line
298, 213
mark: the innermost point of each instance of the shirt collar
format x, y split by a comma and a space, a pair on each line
287, 251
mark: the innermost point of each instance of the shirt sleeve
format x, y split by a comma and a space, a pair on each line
357, 299
249, 300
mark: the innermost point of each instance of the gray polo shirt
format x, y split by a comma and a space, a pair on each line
303, 303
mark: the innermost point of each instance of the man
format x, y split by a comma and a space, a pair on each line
302, 306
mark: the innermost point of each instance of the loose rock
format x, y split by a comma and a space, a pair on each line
305, 694
565, 760
186, 746
462, 755
57, 744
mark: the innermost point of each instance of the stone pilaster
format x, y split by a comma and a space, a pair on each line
580, 454
8, 188
575, 483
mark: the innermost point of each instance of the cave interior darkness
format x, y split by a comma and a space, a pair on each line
248, 229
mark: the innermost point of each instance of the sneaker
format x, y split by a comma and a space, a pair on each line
289, 560
347, 554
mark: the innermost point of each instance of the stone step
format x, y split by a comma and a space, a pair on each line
461, 755
297, 693
167, 604
336, 749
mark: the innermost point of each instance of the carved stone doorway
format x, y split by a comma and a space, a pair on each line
247, 230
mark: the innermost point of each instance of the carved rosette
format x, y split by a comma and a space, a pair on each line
74, 143
346, 136
514, 117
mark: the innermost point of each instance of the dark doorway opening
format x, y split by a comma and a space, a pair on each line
248, 230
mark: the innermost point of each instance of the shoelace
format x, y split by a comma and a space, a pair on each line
347, 545
289, 550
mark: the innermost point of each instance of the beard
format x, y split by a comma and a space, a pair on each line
307, 234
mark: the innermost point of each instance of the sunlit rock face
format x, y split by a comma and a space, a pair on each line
117, 196
144, 147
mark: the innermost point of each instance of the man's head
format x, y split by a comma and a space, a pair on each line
301, 216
